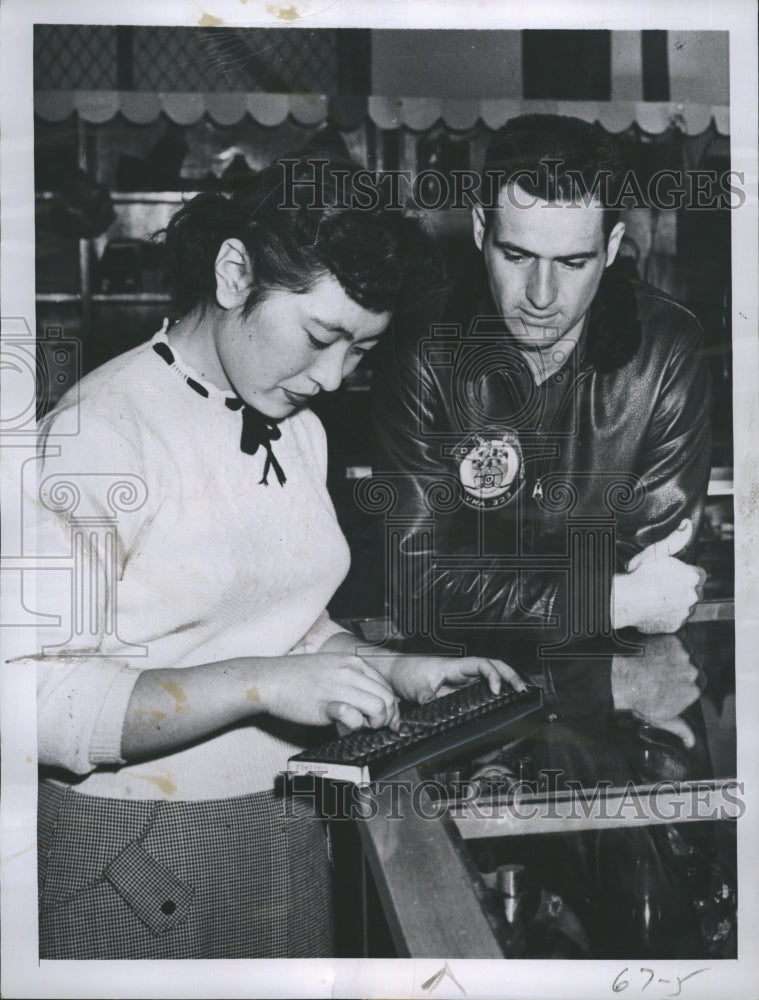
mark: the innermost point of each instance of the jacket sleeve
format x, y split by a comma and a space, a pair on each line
675, 460
673, 470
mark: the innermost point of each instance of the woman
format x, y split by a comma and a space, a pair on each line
161, 733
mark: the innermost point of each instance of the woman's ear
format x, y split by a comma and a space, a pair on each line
478, 225
234, 274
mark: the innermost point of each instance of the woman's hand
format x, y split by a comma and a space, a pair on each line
319, 688
420, 678
173, 707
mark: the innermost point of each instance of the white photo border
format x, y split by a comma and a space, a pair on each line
23, 974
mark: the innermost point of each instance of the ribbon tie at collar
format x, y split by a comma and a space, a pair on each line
258, 430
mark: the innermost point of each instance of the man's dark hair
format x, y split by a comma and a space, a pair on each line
556, 158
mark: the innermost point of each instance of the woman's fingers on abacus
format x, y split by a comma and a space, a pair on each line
496, 671
372, 684
341, 711
382, 714
486, 669
378, 707
509, 675
395, 716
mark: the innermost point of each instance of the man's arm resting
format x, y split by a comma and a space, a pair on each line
658, 591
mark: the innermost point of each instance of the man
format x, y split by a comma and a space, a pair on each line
549, 444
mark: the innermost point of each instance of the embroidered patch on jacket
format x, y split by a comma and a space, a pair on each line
490, 468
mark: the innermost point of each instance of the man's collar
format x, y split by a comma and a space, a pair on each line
544, 364
614, 333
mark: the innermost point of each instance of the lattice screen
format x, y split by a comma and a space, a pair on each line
74, 57
167, 58
247, 59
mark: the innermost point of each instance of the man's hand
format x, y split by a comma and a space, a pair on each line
658, 592
420, 678
657, 687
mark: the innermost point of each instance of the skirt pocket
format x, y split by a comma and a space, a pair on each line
102, 894
154, 893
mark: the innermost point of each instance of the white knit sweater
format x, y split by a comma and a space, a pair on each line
208, 564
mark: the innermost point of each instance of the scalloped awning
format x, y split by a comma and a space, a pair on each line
416, 113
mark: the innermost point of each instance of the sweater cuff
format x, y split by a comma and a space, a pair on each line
105, 747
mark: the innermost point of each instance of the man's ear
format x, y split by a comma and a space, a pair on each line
615, 239
234, 274
478, 225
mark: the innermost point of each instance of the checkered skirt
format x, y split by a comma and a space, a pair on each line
229, 878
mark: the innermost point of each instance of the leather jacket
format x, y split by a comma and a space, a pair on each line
514, 503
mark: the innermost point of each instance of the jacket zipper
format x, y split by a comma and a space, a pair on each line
537, 491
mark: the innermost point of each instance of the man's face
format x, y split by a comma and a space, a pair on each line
544, 262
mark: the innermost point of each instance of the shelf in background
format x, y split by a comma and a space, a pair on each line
721, 482
116, 297
146, 297
152, 197
132, 197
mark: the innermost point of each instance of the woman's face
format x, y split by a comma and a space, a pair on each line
293, 345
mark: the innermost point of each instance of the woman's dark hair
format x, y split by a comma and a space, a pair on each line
556, 157
299, 219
